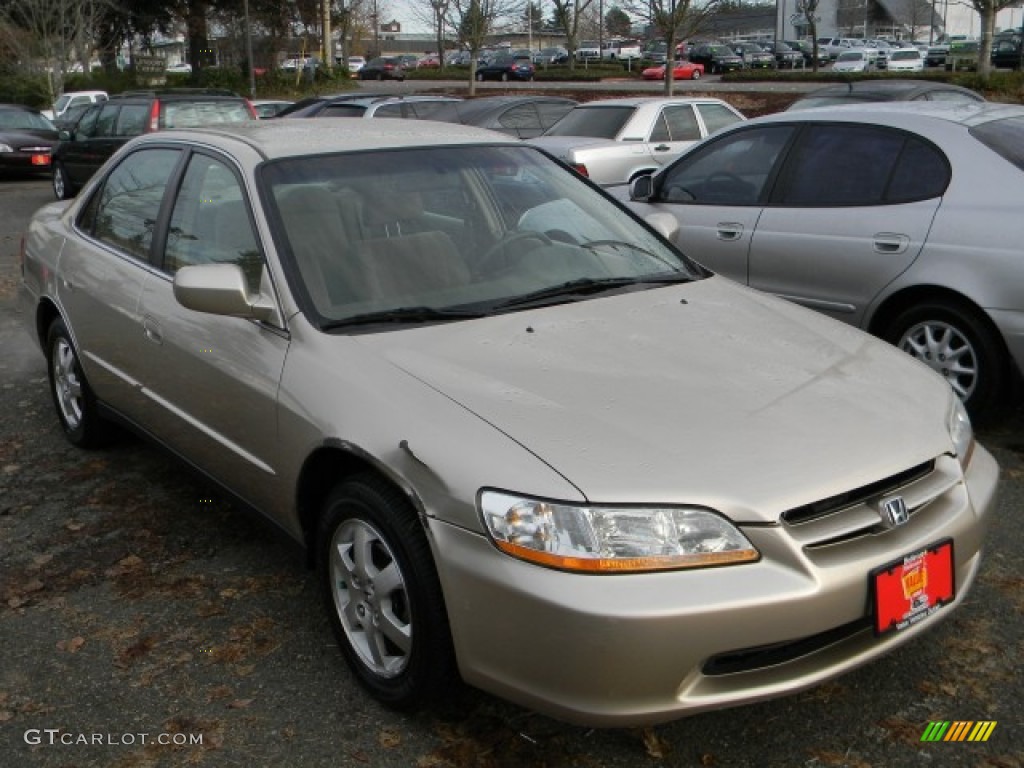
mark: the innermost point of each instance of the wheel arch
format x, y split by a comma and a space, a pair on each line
324, 468
46, 313
892, 306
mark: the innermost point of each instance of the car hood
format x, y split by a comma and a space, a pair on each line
705, 393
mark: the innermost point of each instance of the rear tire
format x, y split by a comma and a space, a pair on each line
72, 396
695, 75
953, 340
383, 595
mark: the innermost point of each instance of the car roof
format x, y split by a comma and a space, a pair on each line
275, 139
902, 114
20, 107
883, 89
637, 101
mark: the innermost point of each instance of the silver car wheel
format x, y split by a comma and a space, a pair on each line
66, 384
370, 597
947, 351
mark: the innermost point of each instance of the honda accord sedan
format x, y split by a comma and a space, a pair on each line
524, 441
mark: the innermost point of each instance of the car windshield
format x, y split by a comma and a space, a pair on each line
720, 50
851, 56
23, 120
593, 122
435, 234
904, 53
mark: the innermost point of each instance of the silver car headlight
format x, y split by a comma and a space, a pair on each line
961, 433
596, 539
6, 147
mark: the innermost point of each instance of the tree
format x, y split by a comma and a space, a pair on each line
567, 16
473, 21
675, 21
987, 10
808, 9
617, 22
49, 36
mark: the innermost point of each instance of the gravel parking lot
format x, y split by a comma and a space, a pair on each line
144, 621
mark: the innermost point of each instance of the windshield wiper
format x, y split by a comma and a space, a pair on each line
403, 315
586, 286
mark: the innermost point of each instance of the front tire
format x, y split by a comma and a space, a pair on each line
72, 396
382, 594
953, 340
695, 75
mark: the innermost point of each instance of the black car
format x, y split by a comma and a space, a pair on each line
506, 68
859, 91
383, 68
524, 117
754, 56
108, 125
785, 57
26, 139
806, 48
1006, 50
716, 57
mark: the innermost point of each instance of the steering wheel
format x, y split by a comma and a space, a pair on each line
489, 262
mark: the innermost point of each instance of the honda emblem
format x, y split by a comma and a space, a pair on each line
894, 511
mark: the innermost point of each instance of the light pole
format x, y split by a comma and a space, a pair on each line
248, 50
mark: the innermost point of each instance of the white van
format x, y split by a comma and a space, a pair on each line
74, 99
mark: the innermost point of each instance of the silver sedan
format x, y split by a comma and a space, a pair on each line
901, 219
522, 439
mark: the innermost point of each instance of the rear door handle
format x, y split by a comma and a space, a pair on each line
730, 231
662, 148
890, 242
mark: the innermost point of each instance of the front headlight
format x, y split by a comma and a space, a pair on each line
597, 539
960, 432
6, 147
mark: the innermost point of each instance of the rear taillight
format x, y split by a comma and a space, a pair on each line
154, 116
581, 169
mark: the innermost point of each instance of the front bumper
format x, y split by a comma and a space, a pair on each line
639, 649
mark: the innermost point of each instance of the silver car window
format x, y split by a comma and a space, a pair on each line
124, 211
210, 222
731, 171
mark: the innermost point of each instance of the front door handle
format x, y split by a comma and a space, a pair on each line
730, 231
151, 328
662, 148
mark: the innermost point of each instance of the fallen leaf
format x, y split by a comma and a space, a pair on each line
39, 560
389, 738
240, 703
16, 602
33, 586
5, 716
74, 525
656, 748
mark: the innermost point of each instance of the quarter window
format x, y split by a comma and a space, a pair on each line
682, 124
716, 116
210, 223
124, 211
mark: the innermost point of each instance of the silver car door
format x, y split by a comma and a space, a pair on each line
213, 380
102, 271
851, 212
675, 130
716, 193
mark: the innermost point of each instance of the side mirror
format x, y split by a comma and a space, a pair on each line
220, 289
641, 189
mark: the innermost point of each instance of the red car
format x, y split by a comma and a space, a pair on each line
683, 70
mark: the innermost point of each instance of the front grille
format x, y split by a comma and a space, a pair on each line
827, 506
857, 513
749, 659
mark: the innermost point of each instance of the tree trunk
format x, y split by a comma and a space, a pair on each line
988, 30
